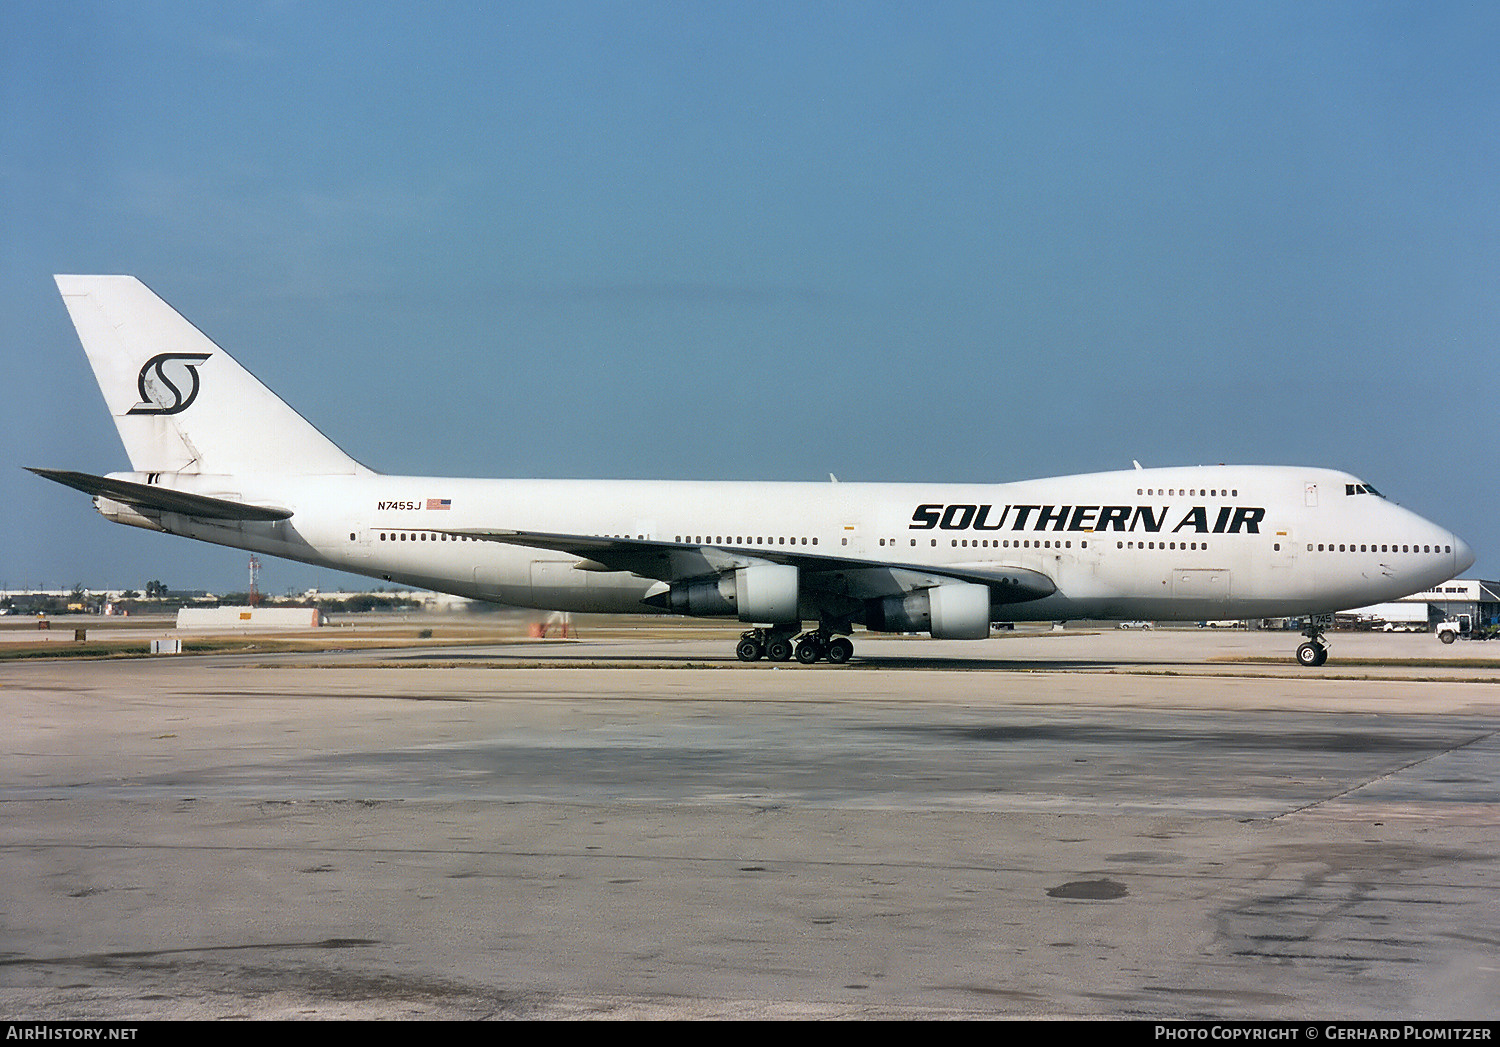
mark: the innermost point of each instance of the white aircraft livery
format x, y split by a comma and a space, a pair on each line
217, 456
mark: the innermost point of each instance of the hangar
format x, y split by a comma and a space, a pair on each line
1472, 596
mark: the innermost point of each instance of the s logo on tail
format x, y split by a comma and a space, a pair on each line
168, 383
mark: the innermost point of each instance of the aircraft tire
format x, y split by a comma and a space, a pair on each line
809, 651
840, 650
779, 649
1312, 655
748, 651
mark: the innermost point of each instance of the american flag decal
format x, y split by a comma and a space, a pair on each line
440, 503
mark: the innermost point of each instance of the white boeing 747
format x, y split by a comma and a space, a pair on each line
217, 456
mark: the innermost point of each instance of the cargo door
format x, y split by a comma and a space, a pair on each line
1203, 584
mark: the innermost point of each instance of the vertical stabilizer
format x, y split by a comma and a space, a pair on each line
180, 402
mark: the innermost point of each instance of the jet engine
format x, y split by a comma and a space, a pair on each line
760, 593
950, 611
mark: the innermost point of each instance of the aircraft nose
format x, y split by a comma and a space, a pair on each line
1463, 556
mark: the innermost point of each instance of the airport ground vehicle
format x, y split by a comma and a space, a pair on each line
1464, 627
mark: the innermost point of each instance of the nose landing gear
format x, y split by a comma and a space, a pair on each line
1315, 651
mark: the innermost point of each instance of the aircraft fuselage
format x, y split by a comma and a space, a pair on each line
1181, 543
219, 457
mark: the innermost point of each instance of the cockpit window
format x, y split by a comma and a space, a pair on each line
1362, 489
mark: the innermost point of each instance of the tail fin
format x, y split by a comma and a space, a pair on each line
180, 402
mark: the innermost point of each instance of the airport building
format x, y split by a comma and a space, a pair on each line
1475, 597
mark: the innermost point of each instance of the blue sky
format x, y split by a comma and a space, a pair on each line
691, 240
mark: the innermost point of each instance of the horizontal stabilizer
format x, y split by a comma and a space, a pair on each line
162, 499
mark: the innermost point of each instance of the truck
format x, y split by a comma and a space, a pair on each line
1464, 627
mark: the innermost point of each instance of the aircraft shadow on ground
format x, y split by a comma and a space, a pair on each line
649, 659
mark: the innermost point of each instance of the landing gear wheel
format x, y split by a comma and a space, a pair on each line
840, 650
1315, 651
809, 651
749, 650
779, 649
1312, 655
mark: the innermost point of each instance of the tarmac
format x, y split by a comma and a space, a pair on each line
1098, 824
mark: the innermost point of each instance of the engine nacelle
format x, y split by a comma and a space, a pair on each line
950, 611
764, 593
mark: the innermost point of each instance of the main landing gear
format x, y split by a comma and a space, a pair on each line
1315, 651
780, 645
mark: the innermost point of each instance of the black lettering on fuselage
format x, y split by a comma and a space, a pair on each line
1197, 519
1083, 518
1144, 515
962, 516
957, 517
984, 514
1051, 515
1114, 518
1247, 518
925, 518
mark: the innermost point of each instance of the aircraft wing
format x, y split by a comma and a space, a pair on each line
162, 499
837, 575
